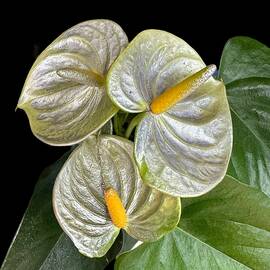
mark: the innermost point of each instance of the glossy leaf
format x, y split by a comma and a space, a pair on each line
64, 94
128, 243
40, 243
227, 228
97, 164
242, 58
184, 151
64, 255
177, 250
235, 219
245, 69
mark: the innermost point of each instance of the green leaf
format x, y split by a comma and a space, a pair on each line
184, 151
64, 255
227, 228
244, 57
235, 219
64, 94
245, 68
38, 230
102, 162
177, 250
40, 243
128, 243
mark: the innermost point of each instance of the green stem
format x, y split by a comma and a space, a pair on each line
116, 125
134, 122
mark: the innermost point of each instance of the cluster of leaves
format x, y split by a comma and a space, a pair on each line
227, 228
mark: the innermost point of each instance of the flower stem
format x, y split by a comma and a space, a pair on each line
134, 122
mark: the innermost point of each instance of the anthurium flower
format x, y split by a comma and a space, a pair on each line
99, 191
64, 94
184, 138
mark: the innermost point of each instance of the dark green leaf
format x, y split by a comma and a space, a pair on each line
245, 68
228, 228
250, 106
40, 243
39, 230
244, 57
64, 255
128, 242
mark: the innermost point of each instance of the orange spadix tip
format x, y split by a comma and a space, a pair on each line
115, 208
172, 95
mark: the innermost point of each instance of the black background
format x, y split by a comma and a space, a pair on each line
25, 34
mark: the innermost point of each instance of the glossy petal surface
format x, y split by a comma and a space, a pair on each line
64, 94
97, 164
184, 151
153, 61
